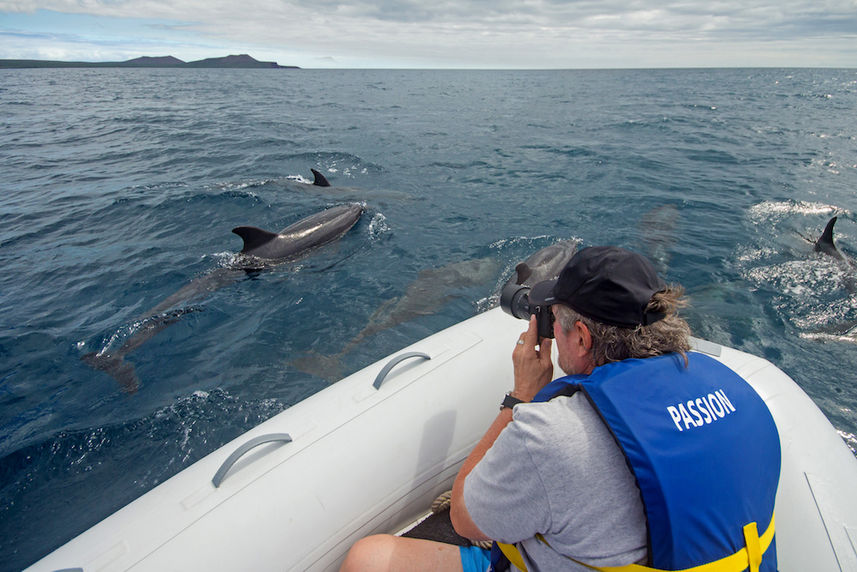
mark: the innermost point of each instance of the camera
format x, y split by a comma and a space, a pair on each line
537, 273
515, 300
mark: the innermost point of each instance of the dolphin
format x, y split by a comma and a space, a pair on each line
825, 245
352, 193
311, 232
842, 331
262, 249
544, 264
423, 297
431, 290
657, 235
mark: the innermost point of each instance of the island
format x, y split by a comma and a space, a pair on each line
242, 61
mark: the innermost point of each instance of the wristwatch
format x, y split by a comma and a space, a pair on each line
510, 401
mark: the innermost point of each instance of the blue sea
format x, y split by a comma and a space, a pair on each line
121, 186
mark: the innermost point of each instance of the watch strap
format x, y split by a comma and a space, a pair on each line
509, 402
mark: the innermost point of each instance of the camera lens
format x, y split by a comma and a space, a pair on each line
515, 300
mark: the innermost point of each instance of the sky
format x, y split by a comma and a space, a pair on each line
468, 34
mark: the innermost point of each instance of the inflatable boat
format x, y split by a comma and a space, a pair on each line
370, 453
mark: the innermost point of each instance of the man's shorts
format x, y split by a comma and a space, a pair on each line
475, 559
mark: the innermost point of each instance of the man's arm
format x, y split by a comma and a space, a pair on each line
533, 370
461, 520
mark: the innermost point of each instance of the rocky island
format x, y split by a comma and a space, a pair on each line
242, 61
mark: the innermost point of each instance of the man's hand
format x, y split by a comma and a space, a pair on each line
532, 363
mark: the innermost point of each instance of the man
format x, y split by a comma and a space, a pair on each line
638, 455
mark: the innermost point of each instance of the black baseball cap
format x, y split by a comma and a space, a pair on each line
605, 283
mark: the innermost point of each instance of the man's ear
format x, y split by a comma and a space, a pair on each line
584, 338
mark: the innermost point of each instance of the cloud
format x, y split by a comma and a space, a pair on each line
492, 33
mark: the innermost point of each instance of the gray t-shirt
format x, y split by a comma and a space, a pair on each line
556, 470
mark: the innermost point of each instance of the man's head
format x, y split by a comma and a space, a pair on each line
611, 305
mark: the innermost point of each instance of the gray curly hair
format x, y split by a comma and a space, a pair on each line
614, 343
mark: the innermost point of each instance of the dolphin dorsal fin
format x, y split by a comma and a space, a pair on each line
523, 271
253, 237
319, 180
825, 241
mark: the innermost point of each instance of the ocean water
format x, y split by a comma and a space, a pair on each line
121, 186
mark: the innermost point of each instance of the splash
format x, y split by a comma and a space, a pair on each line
298, 179
777, 210
850, 338
378, 227
527, 241
850, 440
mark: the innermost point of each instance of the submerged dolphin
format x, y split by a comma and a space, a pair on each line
423, 297
262, 249
352, 193
431, 290
657, 229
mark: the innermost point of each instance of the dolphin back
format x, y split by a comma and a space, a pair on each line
545, 264
295, 240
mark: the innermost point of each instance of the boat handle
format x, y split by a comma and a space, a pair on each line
393, 363
240, 451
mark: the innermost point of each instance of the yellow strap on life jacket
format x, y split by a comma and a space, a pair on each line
749, 557
511, 552
754, 550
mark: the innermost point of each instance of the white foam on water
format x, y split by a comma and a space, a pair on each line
766, 210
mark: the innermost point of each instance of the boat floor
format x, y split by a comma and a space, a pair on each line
437, 527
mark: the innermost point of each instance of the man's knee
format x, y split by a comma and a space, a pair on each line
370, 553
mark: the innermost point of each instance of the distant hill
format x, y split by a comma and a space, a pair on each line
242, 61
149, 62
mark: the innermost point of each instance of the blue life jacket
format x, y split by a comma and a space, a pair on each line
704, 450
